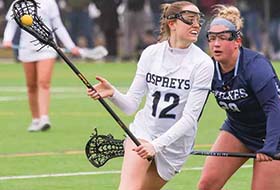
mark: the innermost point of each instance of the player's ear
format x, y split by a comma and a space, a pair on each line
238, 42
171, 24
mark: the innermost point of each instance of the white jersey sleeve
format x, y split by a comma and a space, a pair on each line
10, 28
130, 101
9, 31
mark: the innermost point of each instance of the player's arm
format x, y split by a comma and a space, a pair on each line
130, 101
269, 100
10, 30
263, 83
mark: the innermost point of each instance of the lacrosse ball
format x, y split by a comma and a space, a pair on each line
26, 20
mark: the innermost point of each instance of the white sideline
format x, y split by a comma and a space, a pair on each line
4, 178
57, 93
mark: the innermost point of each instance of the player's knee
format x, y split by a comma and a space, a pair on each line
32, 88
44, 85
207, 183
129, 186
202, 185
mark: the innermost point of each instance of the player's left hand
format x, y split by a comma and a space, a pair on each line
145, 150
7, 44
260, 157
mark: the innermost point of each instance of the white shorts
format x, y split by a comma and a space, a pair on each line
170, 161
30, 55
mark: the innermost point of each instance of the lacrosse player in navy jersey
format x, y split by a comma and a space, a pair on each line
245, 85
175, 76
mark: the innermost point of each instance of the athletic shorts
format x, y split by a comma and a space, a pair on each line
29, 55
252, 137
170, 161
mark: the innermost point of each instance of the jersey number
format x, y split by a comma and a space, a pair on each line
167, 98
230, 106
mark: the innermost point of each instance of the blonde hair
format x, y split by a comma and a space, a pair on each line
230, 13
167, 10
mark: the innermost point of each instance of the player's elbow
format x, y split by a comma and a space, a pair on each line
130, 111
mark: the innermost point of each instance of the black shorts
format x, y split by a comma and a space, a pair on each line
252, 137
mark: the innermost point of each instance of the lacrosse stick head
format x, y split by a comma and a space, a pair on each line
101, 148
37, 28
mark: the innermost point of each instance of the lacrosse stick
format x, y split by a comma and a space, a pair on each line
230, 154
101, 148
95, 53
45, 36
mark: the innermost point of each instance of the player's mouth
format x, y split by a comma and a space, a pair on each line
194, 32
217, 52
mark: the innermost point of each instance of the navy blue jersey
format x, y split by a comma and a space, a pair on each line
250, 96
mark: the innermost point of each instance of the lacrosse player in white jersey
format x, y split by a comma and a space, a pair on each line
38, 65
175, 75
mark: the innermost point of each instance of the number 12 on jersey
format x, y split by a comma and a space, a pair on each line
172, 98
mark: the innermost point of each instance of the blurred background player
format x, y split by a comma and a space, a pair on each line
38, 65
134, 27
246, 86
175, 75
109, 25
79, 21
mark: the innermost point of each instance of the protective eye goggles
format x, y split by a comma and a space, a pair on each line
227, 35
188, 17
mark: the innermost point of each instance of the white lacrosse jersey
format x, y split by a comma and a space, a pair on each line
176, 83
49, 12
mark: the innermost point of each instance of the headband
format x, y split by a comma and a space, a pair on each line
225, 22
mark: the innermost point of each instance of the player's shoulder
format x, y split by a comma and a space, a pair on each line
155, 47
250, 56
201, 57
202, 54
252, 59
255, 64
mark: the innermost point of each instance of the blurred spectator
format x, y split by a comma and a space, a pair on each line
253, 24
134, 27
274, 29
2, 15
109, 24
80, 23
156, 12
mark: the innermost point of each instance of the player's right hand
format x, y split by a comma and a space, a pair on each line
103, 89
145, 150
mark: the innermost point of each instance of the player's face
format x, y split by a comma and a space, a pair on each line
187, 25
221, 44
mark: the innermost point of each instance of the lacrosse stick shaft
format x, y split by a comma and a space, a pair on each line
229, 154
101, 100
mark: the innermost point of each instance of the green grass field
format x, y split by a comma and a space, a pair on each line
55, 160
